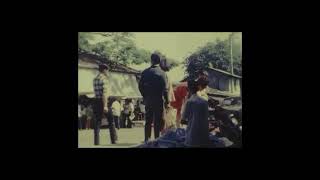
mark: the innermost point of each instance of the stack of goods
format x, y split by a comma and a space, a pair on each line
219, 142
175, 138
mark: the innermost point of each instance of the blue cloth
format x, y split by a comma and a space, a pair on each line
171, 139
176, 138
219, 141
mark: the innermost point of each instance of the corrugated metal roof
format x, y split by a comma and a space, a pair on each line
95, 60
224, 72
217, 92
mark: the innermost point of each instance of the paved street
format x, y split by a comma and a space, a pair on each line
127, 138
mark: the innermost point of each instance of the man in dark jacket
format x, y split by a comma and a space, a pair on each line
153, 87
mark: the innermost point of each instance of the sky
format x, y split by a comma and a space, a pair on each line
176, 45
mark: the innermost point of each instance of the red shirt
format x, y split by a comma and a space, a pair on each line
180, 92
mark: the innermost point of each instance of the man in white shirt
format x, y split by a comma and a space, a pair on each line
128, 111
116, 111
79, 117
83, 117
142, 110
131, 114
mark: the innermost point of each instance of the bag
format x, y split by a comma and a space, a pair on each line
131, 117
169, 118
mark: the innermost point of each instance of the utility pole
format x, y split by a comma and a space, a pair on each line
231, 37
231, 62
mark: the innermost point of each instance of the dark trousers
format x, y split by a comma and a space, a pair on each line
121, 119
96, 131
142, 116
99, 114
112, 128
92, 122
79, 123
88, 125
125, 119
116, 121
84, 122
154, 113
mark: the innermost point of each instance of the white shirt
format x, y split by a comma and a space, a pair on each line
83, 112
79, 111
142, 108
131, 107
116, 108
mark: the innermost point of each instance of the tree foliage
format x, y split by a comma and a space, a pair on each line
116, 46
216, 55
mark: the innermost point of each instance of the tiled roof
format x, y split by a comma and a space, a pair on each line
114, 66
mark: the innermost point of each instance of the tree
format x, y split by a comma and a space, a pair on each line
83, 41
141, 56
113, 34
99, 49
116, 46
213, 54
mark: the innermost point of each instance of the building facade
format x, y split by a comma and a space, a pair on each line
224, 81
122, 80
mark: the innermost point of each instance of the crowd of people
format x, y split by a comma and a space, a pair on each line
85, 117
162, 107
123, 113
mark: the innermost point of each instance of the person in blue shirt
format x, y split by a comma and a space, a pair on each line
196, 113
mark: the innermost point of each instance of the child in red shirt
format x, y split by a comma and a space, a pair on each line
180, 93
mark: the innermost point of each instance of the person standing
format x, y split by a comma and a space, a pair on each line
111, 122
153, 87
125, 113
128, 110
137, 112
100, 103
142, 110
166, 66
84, 117
167, 122
122, 115
181, 93
131, 114
116, 110
79, 117
89, 116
